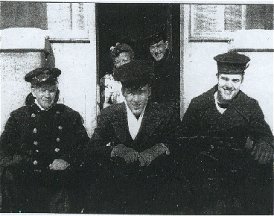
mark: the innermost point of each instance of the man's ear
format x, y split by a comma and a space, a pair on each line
149, 91
123, 91
242, 78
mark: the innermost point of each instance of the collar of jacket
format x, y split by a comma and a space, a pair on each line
30, 102
237, 102
150, 122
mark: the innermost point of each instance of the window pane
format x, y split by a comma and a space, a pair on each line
233, 17
259, 17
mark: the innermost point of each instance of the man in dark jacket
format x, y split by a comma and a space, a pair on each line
134, 143
166, 86
41, 147
230, 146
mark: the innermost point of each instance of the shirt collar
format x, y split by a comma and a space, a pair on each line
40, 107
220, 109
129, 112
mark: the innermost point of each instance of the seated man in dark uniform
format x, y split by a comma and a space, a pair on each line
230, 146
41, 146
133, 146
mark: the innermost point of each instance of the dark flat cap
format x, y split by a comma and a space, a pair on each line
134, 71
231, 63
42, 75
155, 35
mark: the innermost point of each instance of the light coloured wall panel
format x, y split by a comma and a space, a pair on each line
14, 66
77, 82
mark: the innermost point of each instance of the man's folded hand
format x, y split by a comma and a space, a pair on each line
59, 164
147, 156
263, 152
128, 154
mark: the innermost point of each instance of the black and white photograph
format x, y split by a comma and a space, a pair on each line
116, 107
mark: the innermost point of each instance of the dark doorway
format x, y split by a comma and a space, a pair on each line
131, 23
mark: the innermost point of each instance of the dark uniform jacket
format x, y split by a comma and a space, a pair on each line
166, 87
219, 159
242, 119
30, 142
158, 126
130, 184
38, 137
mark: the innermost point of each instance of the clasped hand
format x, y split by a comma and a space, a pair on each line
145, 158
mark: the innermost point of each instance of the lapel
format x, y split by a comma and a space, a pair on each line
236, 108
233, 117
150, 122
120, 124
209, 108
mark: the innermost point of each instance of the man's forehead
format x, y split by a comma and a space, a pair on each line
161, 42
231, 76
47, 86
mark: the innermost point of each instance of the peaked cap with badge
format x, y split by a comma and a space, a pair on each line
42, 75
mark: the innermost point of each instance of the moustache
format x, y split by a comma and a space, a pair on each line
227, 88
157, 53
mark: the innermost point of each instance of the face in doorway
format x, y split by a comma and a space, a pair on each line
45, 94
228, 86
158, 50
121, 59
137, 98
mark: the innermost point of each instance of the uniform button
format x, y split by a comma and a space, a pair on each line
33, 115
35, 142
56, 149
57, 139
57, 112
212, 146
35, 162
60, 127
34, 130
36, 150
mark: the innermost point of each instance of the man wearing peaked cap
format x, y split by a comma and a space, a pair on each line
166, 87
234, 148
134, 143
42, 145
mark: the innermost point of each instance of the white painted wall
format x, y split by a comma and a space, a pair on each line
13, 68
21, 50
73, 39
77, 82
